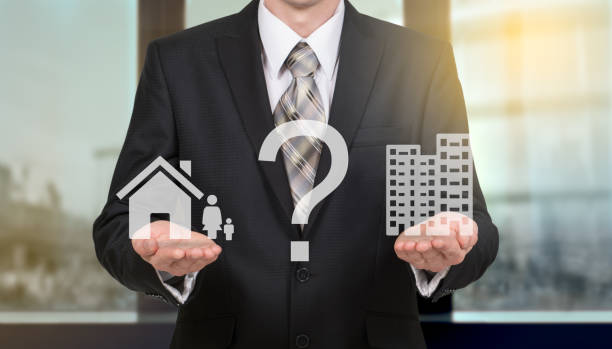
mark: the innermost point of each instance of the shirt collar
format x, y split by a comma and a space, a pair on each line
278, 39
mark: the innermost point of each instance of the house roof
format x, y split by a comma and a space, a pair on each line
152, 167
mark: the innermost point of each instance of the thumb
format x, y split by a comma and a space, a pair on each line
149, 247
464, 240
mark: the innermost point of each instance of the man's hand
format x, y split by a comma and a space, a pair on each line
177, 257
433, 252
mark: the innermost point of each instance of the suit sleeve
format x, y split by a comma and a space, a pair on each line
151, 133
445, 112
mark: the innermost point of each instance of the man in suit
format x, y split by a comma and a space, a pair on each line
211, 94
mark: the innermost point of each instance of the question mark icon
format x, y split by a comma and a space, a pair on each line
339, 165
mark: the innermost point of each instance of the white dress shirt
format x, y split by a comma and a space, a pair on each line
278, 39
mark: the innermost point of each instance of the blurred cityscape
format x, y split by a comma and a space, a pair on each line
537, 83
46, 257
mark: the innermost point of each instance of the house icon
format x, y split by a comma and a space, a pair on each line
160, 195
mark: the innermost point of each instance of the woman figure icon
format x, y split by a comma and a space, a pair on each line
211, 217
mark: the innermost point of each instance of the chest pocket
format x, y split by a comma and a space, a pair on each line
381, 136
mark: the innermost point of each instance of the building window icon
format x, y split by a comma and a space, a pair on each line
419, 186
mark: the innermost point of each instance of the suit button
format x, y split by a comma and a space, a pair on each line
302, 341
302, 274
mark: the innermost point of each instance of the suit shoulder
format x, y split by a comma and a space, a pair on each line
199, 35
405, 38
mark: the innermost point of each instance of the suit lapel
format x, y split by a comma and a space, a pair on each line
359, 58
240, 57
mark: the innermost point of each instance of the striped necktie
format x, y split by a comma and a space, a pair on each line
301, 101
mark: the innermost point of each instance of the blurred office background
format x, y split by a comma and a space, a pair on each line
537, 83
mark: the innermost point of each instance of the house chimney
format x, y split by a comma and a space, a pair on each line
186, 166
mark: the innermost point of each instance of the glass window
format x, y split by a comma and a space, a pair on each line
536, 80
61, 134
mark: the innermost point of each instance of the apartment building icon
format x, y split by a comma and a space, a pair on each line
420, 186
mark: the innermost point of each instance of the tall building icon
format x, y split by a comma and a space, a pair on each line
421, 186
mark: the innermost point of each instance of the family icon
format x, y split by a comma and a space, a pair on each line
162, 190
212, 220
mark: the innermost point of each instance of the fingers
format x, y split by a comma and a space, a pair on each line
423, 246
150, 247
194, 253
434, 259
441, 244
437, 252
406, 249
179, 261
146, 248
404, 246
451, 250
446, 245
180, 256
207, 252
213, 251
410, 251
195, 259
474, 237
166, 256
433, 255
464, 241
451, 247
160, 229
467, 239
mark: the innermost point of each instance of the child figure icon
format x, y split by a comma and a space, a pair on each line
228, 229
211, 217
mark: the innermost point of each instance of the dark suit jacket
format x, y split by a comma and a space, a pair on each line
202, 96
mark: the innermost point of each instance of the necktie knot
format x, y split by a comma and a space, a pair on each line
302, 61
